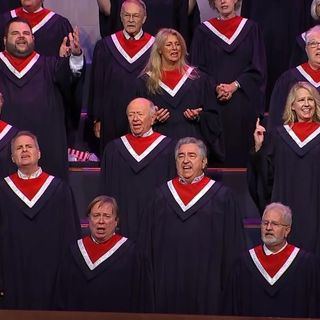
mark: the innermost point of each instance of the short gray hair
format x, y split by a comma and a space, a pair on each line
140, 3
25, 133
312, 30
187, 140
151, 105
285, 211
313, 9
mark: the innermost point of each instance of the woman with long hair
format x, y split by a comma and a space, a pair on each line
285, 164
183, 94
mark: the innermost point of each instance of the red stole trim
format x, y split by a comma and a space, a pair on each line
132, 47
19, 63
29, 187
314, 74
304, 129
2, 125
171, 77
273, 263
187, 192
140, 144
97, 250
226, 27
33, 18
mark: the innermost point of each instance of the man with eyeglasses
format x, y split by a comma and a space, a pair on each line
118, 60
276, 278
308, 71
97, 272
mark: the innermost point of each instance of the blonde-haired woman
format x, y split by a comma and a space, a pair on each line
285, 164
183, 94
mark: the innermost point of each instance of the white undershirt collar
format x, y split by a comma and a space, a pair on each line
34, 175
269, 252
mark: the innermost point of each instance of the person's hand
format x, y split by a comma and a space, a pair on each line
65, 50
74, 39
71, 44
97, 129
162, 114
258, 135
192, 114
225, 91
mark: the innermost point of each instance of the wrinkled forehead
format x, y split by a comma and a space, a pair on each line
19, 26
189, 148
132, 8
273, 215
313, 36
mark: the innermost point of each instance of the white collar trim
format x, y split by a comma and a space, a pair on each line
184, 207
137, 55
140, 157
103, 258
23, 72
33, 201
222, 36
296, 139
41, 23
174, 91
5, 130
282, 270
307, 76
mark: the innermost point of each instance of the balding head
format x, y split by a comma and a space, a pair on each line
141, 115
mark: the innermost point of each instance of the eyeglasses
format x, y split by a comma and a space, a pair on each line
313, 44
128, 16
273, 224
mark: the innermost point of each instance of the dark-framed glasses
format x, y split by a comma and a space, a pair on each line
273, 224
313, 44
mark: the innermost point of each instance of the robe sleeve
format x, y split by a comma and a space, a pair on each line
97, 81
260, 174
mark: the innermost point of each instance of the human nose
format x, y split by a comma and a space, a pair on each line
185, 159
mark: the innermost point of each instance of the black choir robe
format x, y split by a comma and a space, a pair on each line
160, 14
132, 179
281, 21
194, 90
299, 55
6, 5
287, 170
6, 134
106, 285
292, 292
241, 58
189, 249
281, 90
48, 33
34, 237
33, 102
113, 85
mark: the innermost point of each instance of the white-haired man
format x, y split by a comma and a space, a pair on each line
276, 278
